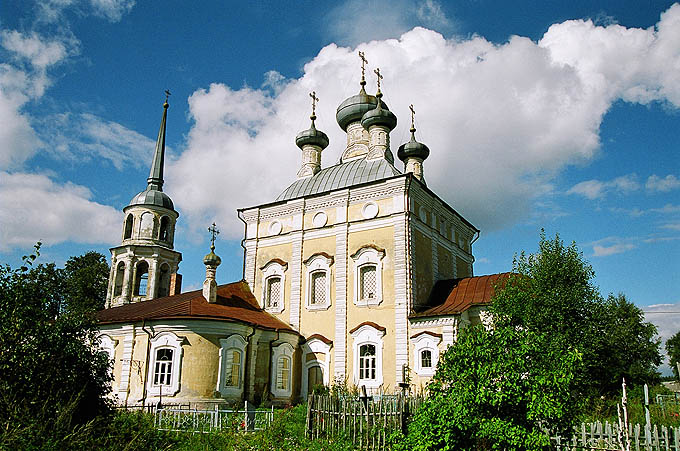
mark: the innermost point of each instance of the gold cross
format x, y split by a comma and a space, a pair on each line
214, 232
413, 116
364, 61
167, 94
314, 100
377, 72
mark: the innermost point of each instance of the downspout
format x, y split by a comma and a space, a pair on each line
146, 360
245, 232
246, 373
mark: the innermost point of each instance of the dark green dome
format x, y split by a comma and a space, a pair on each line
354, 108
379, 116
212, 259
312, 136
413, 149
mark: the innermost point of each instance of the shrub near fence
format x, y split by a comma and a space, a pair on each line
366, 421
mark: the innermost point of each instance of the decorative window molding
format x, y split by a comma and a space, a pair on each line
273, 285
425, 352
368, 350
368, 275
318, 292
282, 371
108, 345
165, 364
316, 345
231, 370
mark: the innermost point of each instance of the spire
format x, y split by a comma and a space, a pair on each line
155, 179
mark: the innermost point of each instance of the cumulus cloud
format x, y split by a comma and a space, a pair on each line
513, 114
33, 207
113, 10
662, 184
596, 189
618, 248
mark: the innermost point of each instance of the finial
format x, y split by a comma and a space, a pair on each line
413, 118
314, 100
364, 61
377, 72
167, 94
214, 231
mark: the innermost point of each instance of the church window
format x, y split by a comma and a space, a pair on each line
128, 227
232, 365
318, 291
163, 233
120, 276
165, 364
366, 362
367, 350
368, 276
142, 279
164, 280
316, 362
425, 352
163, 369
273, 285
282, 367
146, 225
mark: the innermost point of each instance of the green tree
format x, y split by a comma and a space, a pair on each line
87, 278
553, 294
52, 379
673, 351
496, 389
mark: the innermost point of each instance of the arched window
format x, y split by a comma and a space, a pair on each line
426, 359
146, 225
164, 366
367, 283
164, 280
316, 353
282, 366
367, 348
232, 365
367, 364
128, 227
120, 275
425, 352
318, 292
273, 285
273, 293
368, 275
162, 373
142, 279
163, 233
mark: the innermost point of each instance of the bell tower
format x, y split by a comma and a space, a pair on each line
144, 264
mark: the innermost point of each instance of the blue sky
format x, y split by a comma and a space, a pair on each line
556, 115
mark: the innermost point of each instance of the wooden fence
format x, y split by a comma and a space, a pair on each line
607, 436
367, 421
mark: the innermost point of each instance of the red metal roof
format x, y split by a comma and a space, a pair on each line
454, 296
235, 302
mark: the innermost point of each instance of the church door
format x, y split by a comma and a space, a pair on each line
314, 378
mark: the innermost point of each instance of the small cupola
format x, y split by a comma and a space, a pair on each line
379, 122
413, 153
211, 262
312, 142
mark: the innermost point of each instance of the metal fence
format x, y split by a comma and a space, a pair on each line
248, 419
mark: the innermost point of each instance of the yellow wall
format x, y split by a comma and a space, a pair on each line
318, 321
265, 254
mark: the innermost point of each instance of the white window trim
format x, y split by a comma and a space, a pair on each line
171, 341
282, 350
226, 344
421, 343
317, 263
368, 256
368, 334
316, 346
274, 269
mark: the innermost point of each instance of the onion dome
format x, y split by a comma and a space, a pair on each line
212, 259
354, 108
152, 197
379, 116
413, 148
312, 136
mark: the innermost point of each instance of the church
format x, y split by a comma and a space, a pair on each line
356, 274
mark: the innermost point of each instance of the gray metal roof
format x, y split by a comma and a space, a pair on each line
340, 176
152, 197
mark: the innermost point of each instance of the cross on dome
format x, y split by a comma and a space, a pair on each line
314, 100
413, 118
380, 77
364, 61
214, 231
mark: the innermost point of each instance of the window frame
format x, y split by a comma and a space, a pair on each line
165, 340
119, 277
282, 351
138, 279
232, 343
316, 264
425, 341
364, 257
271, 270
367, 334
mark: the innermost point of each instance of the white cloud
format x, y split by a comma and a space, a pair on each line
672, 226
666, 317
356, 21
662, 184
113, 10
39, 52
51, 11
604, 251
596, 189
35, 208
83, 137
500, 120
